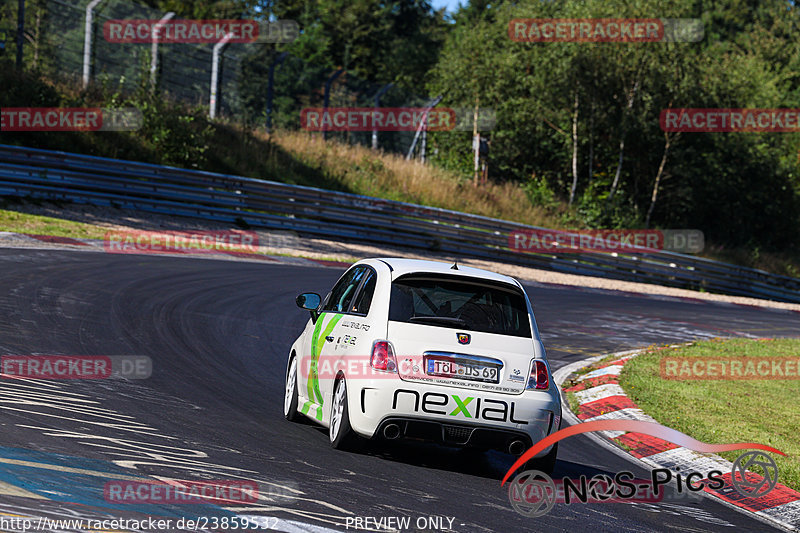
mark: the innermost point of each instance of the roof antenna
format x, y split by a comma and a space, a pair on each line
455, 265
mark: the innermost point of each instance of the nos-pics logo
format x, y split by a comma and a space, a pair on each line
533, 493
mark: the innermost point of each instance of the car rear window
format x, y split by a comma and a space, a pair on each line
459, 303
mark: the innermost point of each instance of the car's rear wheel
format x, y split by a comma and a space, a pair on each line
341, 433
544, 464
290, 398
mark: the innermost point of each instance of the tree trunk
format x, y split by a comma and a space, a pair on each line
476, 141
574, 149
591, 141
37, 36
628, 107
619, 169
657, 183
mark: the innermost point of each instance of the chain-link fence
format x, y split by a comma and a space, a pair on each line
56, 43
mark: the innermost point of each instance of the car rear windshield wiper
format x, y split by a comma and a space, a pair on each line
439, 319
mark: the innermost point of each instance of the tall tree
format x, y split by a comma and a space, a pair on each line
395, 41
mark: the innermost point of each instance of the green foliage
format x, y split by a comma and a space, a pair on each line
395, 41
219, 9
452, 151
539, 193
181, 137
739, 188
171, 134
178, 134
597, 211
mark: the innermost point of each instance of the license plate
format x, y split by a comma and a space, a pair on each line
462, 370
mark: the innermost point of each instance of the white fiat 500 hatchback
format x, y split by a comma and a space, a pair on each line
425, 350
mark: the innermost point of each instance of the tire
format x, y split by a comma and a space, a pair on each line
544, 464
290, 397
341, 433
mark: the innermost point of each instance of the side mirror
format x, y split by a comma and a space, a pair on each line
310, 302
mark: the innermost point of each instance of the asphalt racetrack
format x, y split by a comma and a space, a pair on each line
218, 334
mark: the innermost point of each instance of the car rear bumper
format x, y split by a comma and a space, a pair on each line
453, 416
462, 435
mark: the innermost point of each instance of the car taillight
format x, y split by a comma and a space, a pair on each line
539, 378
383, 357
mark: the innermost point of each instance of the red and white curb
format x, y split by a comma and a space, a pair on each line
601, 398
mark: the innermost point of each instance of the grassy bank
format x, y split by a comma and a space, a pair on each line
724, 411
14, 221
176, 135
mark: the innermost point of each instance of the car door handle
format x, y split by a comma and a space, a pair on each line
329, 338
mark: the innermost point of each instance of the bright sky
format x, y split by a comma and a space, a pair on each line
451, 5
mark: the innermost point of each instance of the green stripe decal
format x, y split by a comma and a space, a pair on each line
317, 342
312, 370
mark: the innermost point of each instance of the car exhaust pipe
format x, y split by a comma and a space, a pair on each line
391, 431
517, 447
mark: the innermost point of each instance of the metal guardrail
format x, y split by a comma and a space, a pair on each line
321, 213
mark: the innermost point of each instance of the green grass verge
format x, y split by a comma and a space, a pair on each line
719, 411
42, 225
572, 401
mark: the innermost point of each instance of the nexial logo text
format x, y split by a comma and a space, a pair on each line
453, 405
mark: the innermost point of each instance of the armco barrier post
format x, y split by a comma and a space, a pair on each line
423, 123
154, 50
377, 105
87, 41
212, 105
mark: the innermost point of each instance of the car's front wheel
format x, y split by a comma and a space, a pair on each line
290, 398
341, 433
